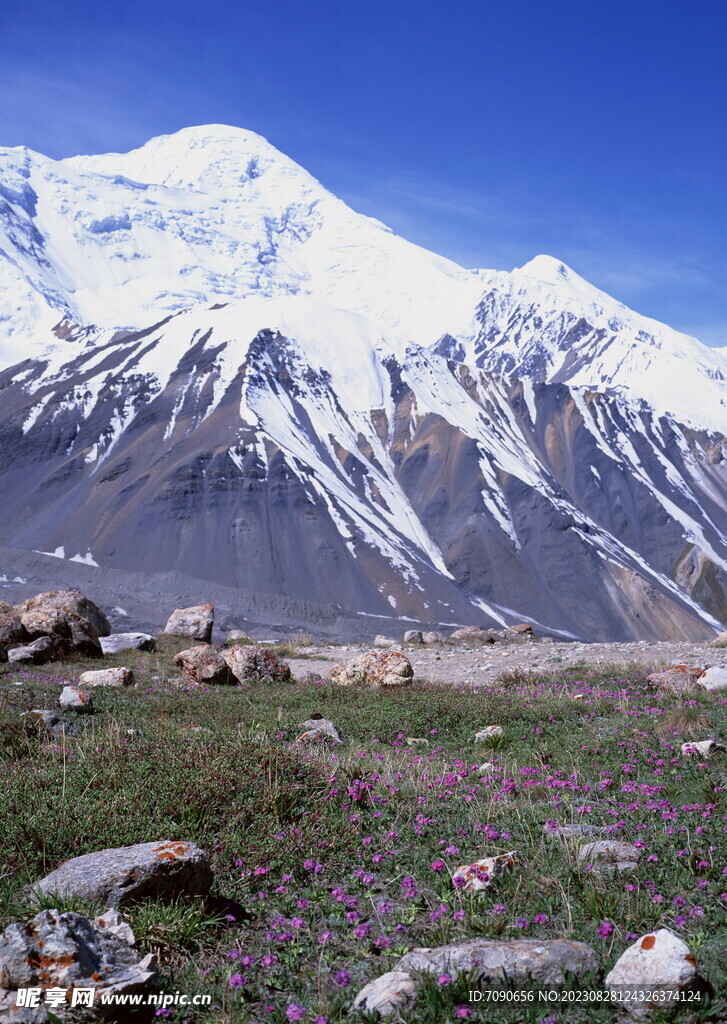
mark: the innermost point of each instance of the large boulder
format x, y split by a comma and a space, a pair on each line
195, 623
68, 601
163, 870
715, 678
545, 962
375, 669
69, 952
660, 963
127, 642
676, 678
203, 665
107, 677
432, 637
71, 633
12, 630
255, 663
36, 653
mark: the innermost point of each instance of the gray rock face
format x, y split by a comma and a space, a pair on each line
203, 665
195, 623
107, 677
73, 699
69, 951
544, 962
48, 725
145, 871
127, 642
68, 601
610, 855
375, 669
248, 663
36, 653
658, 962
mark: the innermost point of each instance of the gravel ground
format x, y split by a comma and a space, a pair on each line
477, 665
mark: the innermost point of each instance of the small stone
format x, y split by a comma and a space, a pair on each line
195, 622
481, 874
573, 829
487, 767
145, 871
318, 729
490, 732
383, 641
107, 677
416, 741
238, 636
714, 678
203, 665
386, 994
610, 855
73, 699
127, 642
659, 962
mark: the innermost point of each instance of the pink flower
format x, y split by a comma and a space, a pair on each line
604, 929
295, 1012
437, 865
444, 979
238, 980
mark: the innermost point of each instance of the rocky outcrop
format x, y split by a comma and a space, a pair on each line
255, 664
68, 951
161, 870
204, 665
195, 623
375, 669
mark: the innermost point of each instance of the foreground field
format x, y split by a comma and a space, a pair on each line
341, 857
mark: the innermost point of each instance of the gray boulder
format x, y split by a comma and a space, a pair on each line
413, 636
69, 951
48, 725
248, 663
375, 669
318, 729
68, 601
610, 855
195, 623
203, 665
127, 642
432, 637
36, 653
12, 630
145, 871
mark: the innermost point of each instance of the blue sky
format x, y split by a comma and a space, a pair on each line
489, 132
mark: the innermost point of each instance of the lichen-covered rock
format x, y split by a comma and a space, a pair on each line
386, 994
12, 630
546, 962
48, 725
203, 665
195, 623
248, 664
120, 676
146, 871
413, 636
68, 601
610, 855
68, 951
375, 668
318, 729
481, 874
675, 677
490, 732
36, 653
127, 642
715, 678
659, 962
73, 699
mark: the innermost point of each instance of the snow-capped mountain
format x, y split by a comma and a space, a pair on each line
215, 366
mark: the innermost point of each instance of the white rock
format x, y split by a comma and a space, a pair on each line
489, 732
107, 677
385, 994
481, 874
715, 678
657, 962
73, 699
702, 748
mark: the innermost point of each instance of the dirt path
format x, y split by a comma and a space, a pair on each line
484, 664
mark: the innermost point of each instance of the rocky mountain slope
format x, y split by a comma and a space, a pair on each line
218, 368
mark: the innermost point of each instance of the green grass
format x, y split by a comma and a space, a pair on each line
315, 842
